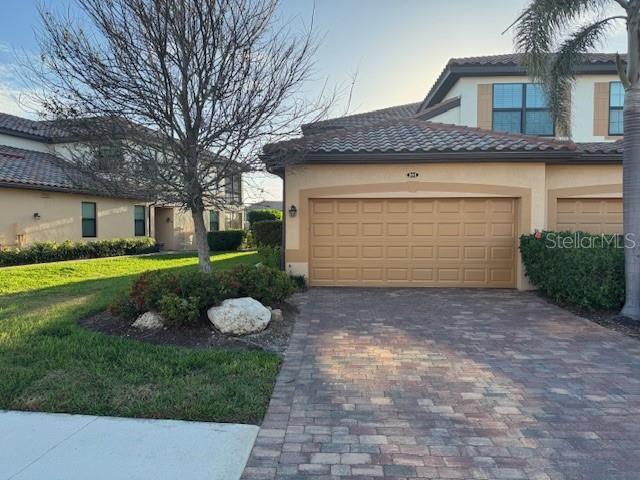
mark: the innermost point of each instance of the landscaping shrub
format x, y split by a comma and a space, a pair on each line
270, 256
267, 285
182, 298
179, 311
580, 269
268, 232
224, 241
44, 252
254, 216
299, 281
150, 288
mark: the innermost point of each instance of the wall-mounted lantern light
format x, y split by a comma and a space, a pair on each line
293, 211
36, 216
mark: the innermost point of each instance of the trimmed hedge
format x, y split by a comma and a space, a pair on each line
268, 233
226, 240
45, 252
579, 269
254, 216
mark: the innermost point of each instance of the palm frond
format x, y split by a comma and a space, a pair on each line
561, 67
540, 25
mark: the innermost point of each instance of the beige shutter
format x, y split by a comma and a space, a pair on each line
485, 106
601, 109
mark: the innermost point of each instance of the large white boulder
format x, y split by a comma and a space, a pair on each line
239, 316
149, 321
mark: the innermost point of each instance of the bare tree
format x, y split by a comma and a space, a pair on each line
173, 97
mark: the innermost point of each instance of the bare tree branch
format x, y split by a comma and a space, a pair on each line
173, 97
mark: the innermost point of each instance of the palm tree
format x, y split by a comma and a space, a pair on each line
554, 35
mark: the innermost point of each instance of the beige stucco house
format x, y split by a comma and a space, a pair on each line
38, 202
437, 192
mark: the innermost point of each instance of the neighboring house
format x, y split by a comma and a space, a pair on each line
437, 192
39, 202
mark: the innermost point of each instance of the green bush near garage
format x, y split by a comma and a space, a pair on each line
268, 233
44, 252
579, 269
226, 240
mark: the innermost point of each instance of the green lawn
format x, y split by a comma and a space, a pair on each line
48, 363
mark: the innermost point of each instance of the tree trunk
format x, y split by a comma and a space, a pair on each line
631, 194
201, 239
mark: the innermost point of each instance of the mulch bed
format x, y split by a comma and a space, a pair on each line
274, 338
610, 319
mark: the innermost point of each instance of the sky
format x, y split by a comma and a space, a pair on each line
396, 47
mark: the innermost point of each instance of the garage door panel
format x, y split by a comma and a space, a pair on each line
475, 229
422, 229
346, 206
448, 229
398, 229
373, 229
593, 215
398, 251
372, 206
422, 251
422, 206
412, 242
347, 229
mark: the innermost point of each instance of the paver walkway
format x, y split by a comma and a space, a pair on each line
453, 384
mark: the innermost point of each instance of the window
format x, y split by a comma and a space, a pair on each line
109, 156
214, 221
521, 108
89, 229
616, 107
233, 220
140, 220
233, 189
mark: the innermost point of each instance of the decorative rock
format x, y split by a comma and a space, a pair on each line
276, 315
239, 316
149, 321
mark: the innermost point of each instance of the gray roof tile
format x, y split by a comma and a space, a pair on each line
45, 130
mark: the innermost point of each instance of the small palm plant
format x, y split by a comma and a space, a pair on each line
554, 35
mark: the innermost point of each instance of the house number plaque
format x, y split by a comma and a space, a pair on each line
413, 174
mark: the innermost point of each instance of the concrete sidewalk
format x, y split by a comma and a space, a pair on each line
36, 446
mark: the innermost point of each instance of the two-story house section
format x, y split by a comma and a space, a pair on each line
38, 201
437, 192
494, 93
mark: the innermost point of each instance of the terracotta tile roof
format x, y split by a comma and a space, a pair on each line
411, 135
21, 168
362, 119
28, 167
43, 130
616, 147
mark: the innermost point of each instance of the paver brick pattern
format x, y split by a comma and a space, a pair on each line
450, 384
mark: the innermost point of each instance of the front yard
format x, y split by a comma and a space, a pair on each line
49, 363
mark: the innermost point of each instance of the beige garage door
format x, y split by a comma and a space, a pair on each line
457, 242
594, 215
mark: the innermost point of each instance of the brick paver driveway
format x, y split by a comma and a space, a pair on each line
470, 384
